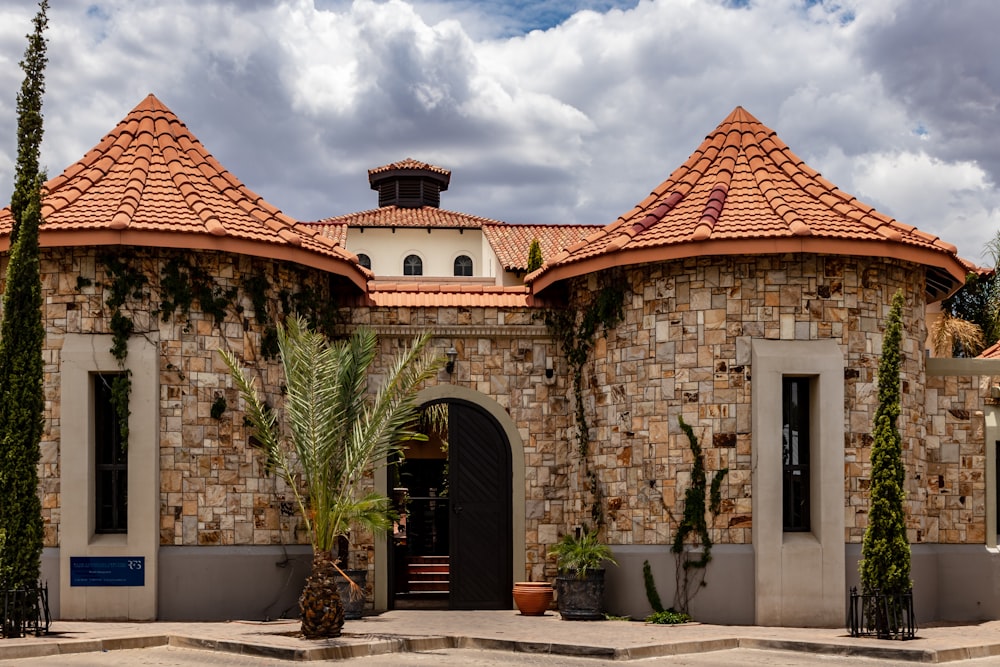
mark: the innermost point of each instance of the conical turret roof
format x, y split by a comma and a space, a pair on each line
744, 192
150, 182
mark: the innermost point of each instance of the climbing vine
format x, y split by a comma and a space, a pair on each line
690, 571
576, 332
124, 282
182, 284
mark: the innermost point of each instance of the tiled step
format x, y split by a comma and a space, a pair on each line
428, 574
429, 586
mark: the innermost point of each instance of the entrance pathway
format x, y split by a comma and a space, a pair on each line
419, 630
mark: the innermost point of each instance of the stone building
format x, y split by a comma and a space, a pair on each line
752, 295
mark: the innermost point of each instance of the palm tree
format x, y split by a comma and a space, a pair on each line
950, 334
975, 306
336, 434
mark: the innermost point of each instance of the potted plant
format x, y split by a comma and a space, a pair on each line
580, 557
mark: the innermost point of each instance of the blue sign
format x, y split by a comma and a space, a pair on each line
107, 571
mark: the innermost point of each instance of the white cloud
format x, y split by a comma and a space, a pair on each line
956, 200
542, 114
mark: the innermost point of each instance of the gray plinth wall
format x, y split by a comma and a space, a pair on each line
951, 582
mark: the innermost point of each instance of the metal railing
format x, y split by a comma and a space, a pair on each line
881, 615
25, 611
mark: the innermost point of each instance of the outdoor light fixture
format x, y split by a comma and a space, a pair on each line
452, 354
549, 371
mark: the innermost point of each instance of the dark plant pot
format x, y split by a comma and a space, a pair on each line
581, 599
352, 606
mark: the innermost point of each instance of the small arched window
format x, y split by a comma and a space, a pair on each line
463, 265
365, 261
413, 266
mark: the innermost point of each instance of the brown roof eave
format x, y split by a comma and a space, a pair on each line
108, 237
949, 265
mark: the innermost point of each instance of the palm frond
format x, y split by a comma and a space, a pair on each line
337, 431
949, 334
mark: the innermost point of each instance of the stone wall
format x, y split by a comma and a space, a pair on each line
684, 350
502, 354
956, 481
213, 488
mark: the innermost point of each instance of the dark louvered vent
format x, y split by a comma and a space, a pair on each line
409, 184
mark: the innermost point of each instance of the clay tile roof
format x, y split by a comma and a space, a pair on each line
150, 182
992, 352
511, 242
423, 216
409, 164
335, 232
445, 295
741, 192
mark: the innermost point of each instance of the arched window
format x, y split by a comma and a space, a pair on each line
365, 261
463, 265
413, 266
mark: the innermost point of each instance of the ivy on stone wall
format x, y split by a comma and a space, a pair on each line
181, 284
576, 331
125, 282
184, 284
690, 571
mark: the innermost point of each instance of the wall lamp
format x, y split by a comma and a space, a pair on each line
452, 354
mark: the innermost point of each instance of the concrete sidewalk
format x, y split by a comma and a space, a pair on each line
398, 631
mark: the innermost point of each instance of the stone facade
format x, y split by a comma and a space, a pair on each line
682, 349
213, 489
954, 485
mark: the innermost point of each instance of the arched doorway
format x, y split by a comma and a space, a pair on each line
464, 511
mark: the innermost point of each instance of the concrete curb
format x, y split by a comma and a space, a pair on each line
357, 645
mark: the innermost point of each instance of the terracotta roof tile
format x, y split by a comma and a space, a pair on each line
743, 191
395, 216
992, 352
150, 182
409, 164
447, 295
511, 242
335, 232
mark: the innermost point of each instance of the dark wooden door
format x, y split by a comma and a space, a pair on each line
479, 473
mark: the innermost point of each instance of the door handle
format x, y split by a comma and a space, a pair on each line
457, 508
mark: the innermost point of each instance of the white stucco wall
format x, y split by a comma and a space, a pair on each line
438, 249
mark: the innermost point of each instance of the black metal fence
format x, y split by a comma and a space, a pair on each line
881, 615
25, 611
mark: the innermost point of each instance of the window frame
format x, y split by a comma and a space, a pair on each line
413, 262
796, 487
470, 267
110, 460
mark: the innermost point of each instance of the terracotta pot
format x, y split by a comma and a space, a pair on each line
532, 597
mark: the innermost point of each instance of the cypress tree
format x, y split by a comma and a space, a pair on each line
885, 564
535, 260
22, 336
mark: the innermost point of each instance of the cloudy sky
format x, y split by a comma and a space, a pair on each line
548, 111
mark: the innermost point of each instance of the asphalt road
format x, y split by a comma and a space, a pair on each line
177, 657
